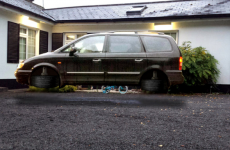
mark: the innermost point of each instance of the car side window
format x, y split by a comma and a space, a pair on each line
125, 44
92, 44
67, 49
153, 44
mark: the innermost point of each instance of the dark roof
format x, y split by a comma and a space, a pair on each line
24, 5
155, 10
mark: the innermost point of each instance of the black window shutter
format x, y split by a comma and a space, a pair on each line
13, 42
57, 40
43, 43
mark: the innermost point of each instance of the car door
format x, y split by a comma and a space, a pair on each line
160, 53
87, 64
125, 59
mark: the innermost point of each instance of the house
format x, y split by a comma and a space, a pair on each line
28, 29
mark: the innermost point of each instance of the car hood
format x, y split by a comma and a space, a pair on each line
44, 55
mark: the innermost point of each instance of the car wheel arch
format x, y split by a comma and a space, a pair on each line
49, 65
151, 69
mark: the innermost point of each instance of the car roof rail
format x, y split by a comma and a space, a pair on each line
160, 33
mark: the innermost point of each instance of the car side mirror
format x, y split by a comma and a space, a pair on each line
72, 51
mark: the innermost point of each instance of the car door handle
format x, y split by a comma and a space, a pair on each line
138, 59
96, 60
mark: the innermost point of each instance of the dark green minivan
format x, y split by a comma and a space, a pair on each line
152, 61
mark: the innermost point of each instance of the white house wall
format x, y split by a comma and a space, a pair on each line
7, 69
212, 34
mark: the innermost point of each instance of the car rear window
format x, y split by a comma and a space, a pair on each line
153, 44
125, 44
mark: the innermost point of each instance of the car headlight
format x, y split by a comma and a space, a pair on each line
20, 65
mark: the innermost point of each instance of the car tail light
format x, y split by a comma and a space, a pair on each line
180, 63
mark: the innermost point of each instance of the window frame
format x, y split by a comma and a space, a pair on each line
135, 35
76, 40
27, 39
168, 31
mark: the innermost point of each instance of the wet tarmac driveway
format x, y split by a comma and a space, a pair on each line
83, 120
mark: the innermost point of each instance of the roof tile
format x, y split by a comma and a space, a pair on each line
28, 6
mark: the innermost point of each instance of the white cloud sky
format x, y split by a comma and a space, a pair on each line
71, 3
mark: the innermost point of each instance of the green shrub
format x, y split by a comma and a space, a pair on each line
67, 88
199, 66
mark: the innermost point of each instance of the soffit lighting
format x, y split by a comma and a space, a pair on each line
163, 26
26, 21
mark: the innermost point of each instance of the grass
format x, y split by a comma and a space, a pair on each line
65, 89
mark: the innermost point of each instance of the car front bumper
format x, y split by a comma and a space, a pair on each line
22, 76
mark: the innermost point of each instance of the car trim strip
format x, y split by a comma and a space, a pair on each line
25, 71
123, 72
85, 72
173, 70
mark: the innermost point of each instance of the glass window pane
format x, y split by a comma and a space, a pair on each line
153, 44
124, 44
80, 35
22, 48
91, 44
22, 30
67, 49
172, 35
70, 37
31, 43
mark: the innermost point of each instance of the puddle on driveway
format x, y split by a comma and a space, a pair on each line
102, 99
90, 101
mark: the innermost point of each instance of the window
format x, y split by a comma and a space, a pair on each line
22, 48
67, 49
153, 44
172, 35
23, 31
136, 10
69, 37
27, 43
92, 44
125, 44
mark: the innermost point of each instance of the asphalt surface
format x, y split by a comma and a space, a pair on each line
84, 120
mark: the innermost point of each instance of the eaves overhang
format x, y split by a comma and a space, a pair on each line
26, 11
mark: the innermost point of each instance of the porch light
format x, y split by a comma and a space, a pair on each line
28, 22
163, 26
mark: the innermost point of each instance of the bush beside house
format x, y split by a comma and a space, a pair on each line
199, 69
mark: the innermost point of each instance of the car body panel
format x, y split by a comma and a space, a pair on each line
87, 68
105, 68
124, 67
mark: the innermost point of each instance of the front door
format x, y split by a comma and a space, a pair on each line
125, 59
87, 64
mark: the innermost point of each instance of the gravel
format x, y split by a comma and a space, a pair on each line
84, 120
